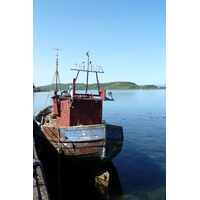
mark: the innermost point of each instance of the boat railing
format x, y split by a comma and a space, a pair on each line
39, 115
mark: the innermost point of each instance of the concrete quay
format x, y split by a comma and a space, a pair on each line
40, 189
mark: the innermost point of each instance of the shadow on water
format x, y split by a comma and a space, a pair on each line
78, 182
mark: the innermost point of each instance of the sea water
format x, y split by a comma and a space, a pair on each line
139, 170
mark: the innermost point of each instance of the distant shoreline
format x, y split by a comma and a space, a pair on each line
108, 86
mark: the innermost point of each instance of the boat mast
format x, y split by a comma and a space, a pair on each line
87, 53
55, 75
56, 69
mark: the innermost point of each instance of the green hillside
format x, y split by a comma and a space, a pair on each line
110, 86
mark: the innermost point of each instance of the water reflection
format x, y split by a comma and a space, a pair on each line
79, 183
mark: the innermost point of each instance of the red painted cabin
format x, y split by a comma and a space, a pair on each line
85, 109
85, 112
72, 109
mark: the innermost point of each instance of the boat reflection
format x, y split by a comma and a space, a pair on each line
114, 189
65, 182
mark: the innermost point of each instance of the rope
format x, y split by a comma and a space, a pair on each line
59, 82
58, 144
60, 147
49, 90
51, 87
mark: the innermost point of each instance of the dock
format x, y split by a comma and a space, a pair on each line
40, 189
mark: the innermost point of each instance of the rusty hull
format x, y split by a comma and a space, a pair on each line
100, 142
77, 140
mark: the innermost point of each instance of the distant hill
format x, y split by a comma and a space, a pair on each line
110, 86
163, 85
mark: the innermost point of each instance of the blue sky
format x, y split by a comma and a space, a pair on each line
127, 38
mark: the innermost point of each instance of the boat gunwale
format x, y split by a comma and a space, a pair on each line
77, 141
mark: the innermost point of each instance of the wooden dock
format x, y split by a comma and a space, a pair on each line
40, 190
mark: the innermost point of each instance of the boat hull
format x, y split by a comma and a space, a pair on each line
85, 144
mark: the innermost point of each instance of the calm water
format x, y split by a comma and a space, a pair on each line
139, 171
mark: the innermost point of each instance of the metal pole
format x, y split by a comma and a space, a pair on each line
56, 68
87, 53
97, 82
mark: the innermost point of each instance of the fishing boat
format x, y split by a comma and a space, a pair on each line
73, 127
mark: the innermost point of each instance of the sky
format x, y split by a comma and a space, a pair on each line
126, 38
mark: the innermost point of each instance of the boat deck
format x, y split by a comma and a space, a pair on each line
49, 120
